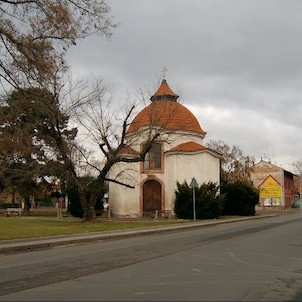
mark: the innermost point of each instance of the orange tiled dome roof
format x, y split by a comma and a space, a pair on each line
165, 112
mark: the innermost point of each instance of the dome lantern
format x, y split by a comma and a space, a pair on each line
164, 93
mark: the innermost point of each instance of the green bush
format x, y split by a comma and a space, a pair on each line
183, 206
208, 202
240, 198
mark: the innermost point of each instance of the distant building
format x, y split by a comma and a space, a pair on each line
177, 155
277, 186
10, 196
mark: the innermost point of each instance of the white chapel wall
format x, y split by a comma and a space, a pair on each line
183, 167
125, 201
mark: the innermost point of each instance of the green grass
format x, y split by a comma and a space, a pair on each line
30, 227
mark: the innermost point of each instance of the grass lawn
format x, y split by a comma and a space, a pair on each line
29, 227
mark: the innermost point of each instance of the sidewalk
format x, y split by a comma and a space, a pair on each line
23, 245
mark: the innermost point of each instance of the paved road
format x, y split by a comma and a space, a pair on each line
252, 260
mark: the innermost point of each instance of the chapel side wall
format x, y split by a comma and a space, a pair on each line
203, 166
125, 201
210, 169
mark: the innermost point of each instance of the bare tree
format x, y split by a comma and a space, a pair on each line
234, 164
104, 139
298, 166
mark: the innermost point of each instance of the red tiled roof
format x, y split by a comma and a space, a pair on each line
167, 114
188, 147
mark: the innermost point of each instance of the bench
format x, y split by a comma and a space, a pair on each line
13, 211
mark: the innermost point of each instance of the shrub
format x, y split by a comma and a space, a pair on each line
208, 203
183, 206
240, 198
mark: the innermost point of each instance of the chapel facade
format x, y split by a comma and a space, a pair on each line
177, 155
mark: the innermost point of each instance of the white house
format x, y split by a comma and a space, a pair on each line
178, 155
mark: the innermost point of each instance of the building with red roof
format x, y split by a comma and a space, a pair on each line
178, 155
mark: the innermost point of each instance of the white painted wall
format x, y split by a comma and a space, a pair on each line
183, 167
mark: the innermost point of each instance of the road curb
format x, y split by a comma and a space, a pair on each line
13, 246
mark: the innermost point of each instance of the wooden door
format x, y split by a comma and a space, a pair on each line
151, 197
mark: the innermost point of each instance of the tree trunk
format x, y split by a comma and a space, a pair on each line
27, 206
89, 212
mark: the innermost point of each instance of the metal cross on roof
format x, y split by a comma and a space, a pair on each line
164, 72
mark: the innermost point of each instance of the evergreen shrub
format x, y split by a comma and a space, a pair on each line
208, 202
241, 198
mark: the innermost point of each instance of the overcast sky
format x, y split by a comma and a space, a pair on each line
237, 64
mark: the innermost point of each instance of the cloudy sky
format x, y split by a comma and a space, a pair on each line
236, 63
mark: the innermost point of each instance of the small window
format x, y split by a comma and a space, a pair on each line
153, 158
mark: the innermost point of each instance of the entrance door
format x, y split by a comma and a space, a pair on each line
151, 197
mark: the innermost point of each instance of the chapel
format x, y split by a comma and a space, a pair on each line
177, 155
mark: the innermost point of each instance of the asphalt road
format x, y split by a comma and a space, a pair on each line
252, 260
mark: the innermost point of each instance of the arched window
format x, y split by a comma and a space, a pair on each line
153, 158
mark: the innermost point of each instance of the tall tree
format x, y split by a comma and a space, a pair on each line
26, 144
35, 35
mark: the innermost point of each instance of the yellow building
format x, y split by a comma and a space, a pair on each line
276, 185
